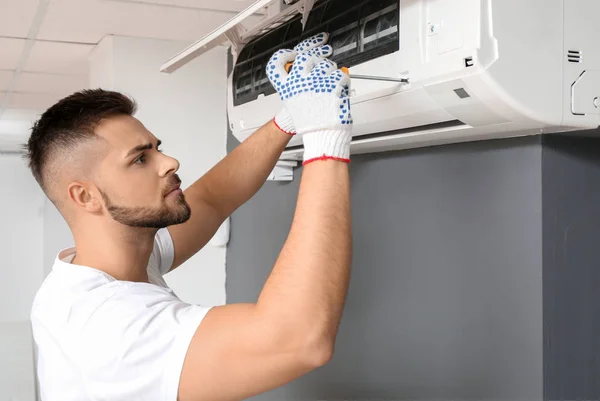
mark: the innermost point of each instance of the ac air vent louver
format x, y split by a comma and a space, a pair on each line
360, 30
574, 56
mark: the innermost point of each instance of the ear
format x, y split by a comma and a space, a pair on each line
83, 196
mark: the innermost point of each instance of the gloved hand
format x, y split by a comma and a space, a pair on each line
316, 99
314, 46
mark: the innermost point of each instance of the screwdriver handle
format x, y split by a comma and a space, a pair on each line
289, 65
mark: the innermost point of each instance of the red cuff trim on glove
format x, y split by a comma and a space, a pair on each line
281, 129
339, 159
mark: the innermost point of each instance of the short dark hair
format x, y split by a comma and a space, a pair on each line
70, 122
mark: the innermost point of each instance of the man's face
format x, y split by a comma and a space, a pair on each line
137, 182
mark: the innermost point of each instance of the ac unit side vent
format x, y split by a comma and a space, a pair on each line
428, 127
462, 93
574, 56
360, 31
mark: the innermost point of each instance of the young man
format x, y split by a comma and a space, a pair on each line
107, 326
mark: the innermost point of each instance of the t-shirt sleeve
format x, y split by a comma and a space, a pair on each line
163, 253
134, 344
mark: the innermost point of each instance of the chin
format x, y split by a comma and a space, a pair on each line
181, 201
182, 211
172, 212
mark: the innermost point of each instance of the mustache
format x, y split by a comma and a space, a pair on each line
174, 182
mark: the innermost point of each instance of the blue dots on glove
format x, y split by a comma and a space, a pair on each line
345, 115
312, 74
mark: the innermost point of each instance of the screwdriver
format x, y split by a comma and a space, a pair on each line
288, 67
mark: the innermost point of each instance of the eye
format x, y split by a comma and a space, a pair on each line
141, 159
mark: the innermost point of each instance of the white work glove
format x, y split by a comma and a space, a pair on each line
314, 46
316, 99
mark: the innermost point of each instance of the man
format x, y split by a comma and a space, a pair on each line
107, 326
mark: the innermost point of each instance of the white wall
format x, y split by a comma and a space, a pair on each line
21, 239
187, 111
17, 377
21, 227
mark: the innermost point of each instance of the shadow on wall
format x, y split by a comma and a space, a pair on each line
583, 145
571, 194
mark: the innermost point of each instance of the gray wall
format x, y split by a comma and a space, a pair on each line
446, 295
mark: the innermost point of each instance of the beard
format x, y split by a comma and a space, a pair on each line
145, 217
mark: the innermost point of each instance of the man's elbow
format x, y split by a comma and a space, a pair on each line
319, 355
316, 354
311, 347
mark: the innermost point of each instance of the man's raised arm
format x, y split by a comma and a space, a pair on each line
239, 351
236, 178
227, 186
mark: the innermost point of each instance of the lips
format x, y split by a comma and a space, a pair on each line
173, 190
174, 187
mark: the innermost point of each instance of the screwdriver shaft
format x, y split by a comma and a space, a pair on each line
288, 67
373, 78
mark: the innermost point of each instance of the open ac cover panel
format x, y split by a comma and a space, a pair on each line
477, 69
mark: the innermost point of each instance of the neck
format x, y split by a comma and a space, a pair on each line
120, 251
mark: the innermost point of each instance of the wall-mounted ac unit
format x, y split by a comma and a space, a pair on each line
477, 69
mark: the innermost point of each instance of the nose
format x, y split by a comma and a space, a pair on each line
168, 165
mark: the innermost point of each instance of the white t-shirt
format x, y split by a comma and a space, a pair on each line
102, 339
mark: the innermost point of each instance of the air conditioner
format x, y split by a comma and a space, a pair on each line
476, 69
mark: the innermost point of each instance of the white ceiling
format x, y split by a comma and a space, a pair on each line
44, 45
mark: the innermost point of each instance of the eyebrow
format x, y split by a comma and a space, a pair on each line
141, 148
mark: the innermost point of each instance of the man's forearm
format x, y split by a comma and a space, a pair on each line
308, 285
236, 178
